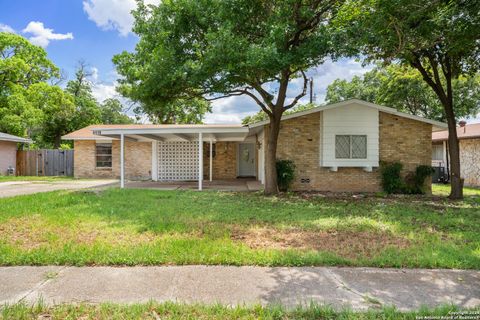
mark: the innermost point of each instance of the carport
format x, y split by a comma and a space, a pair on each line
178, 149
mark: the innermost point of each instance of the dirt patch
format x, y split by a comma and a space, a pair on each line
347, 244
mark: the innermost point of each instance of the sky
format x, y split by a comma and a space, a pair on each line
95, 30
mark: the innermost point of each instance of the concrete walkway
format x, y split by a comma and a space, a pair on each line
357, 288
17, 188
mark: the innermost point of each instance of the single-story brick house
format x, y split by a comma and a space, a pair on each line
337, 147
8, 151
469, 140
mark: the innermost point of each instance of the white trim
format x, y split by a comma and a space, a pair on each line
174, 131
155, 160
88, 138
438, 124
200, 161
122, 161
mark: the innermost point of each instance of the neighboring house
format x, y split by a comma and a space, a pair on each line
8, 152
337, 147
469, 139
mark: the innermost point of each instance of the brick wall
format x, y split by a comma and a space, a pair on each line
224, 165
401, 139
138, 160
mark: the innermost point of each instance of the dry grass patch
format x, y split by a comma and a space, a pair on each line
347, 244
34, 232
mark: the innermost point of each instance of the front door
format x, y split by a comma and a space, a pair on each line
246, 160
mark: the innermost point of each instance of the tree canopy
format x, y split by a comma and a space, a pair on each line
210, 49
31, 105
440, 39
403, 88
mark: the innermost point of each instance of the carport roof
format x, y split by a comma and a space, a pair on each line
160, 132
12, 138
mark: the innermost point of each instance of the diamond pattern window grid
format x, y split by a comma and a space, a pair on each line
342, 147
359, 147
177, 161
351, 146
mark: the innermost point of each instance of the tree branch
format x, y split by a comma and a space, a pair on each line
302, 94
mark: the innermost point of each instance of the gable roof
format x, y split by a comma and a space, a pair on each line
12, 138
437, 125
469, 131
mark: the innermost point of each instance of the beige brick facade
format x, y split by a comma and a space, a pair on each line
401, 139
138, 160
224, 164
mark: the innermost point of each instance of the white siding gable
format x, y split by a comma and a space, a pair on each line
351, 119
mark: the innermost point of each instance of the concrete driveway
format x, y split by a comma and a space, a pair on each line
17, 188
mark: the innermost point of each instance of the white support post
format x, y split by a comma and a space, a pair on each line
122, 156
200, 161
211, 159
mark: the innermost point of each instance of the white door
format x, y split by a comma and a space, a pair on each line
246, 160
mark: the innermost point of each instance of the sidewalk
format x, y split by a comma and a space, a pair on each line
357, 288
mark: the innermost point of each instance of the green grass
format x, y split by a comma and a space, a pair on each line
152, 227
181, 311
34, 178
444, 190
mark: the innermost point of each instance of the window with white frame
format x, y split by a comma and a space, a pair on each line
350, 146
103, 155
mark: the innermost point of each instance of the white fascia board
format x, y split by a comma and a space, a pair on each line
361, 102
19, 140
174, 130
89, 138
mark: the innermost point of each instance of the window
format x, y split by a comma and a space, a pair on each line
437, 152
350, 146
103, 155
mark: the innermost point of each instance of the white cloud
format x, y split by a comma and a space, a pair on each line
113, 14
42, 36
94, 71
102, 91
6, 28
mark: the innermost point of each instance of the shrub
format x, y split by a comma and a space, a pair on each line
285, 174
391, 180
421, 173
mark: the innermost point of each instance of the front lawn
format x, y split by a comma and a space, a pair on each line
151, 227
34, 178
181, 311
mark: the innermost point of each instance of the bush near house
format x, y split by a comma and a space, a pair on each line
414, 183
285, 174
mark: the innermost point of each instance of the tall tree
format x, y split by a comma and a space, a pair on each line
112, 112
21, 66
219, 48
87, 109
439, 38
403, 88
57, 109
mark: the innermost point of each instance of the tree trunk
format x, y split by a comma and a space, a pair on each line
456, 181
57, 141
271, 186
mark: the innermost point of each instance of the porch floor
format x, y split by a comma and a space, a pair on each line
220, 185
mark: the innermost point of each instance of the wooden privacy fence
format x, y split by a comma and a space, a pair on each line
45, 162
